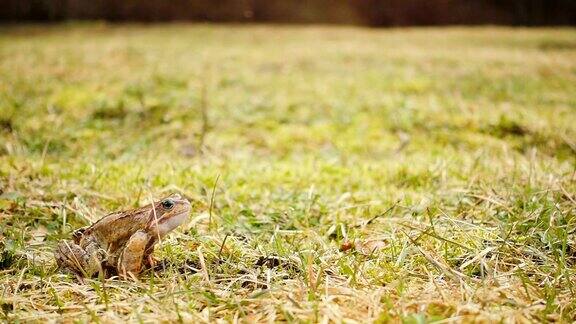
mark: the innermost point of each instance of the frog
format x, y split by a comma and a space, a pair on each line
121, 242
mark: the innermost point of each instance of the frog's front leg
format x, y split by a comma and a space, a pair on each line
85, 261
132, 257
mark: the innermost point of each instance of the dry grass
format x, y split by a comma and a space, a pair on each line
337, 174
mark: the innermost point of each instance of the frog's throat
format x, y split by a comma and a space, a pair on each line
166, 225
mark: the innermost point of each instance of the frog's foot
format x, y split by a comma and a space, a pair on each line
151, 262
70, 257
73, 273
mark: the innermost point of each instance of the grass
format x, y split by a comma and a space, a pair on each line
337, 173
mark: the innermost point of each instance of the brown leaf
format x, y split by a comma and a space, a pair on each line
368, 247
38, 235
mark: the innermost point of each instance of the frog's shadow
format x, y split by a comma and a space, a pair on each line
186, 267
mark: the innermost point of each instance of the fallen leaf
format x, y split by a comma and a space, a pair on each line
365, 247
38, 235
368, 247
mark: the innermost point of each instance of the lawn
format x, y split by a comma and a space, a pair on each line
336, 173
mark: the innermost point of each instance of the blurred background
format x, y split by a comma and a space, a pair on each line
451, 150
358, 12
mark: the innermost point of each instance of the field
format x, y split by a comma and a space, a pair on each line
336, 173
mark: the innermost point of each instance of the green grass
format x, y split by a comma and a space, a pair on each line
450, 150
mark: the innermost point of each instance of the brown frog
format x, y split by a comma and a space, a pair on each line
121, 241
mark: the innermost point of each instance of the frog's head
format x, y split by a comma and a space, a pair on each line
167, 214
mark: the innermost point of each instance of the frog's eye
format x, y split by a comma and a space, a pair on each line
167, 204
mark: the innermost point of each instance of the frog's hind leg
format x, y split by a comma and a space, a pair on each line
73, 258
132, 257
70, 257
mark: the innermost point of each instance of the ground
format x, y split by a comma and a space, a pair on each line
336, 173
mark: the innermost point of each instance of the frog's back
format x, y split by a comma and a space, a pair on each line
114, 229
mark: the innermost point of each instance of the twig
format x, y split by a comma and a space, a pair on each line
427, 232
222, 246
384, 213
491, 200
453, 274
379, 215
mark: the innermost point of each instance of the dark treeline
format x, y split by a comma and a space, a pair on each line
365, 12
